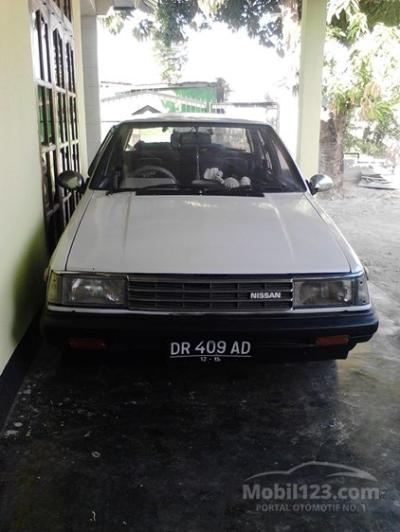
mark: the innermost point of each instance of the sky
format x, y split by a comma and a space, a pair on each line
251, 70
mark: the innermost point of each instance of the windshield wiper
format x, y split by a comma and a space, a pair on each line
157, 187
197, 187
160, 186
242, 191
248, 190
202, 188
111, 191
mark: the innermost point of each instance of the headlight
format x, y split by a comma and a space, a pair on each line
331, 292
87, 291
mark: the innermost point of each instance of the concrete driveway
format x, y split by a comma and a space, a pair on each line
109, 446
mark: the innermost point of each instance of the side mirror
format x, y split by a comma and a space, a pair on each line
70, 180
320, 183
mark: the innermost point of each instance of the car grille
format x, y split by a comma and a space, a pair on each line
219, 293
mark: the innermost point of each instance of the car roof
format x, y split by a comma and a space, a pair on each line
203, 118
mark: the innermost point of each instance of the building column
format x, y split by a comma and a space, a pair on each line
313, 26
91, 84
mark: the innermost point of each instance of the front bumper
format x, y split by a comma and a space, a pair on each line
274, 337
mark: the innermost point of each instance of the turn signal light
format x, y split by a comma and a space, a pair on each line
325, 341
87, 343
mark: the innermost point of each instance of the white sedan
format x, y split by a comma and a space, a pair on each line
198, 236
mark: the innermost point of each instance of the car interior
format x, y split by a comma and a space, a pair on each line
154, 156
187, 156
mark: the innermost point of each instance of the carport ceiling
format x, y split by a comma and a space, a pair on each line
101, 7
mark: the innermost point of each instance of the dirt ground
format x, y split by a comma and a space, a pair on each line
370, 221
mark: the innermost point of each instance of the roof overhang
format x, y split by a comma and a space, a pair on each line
102, 7
95, 7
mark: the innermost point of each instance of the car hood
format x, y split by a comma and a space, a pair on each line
278, 233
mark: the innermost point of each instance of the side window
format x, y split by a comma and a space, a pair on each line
100, 151
283, 168
109, 159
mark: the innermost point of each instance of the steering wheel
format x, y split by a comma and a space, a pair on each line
149, 171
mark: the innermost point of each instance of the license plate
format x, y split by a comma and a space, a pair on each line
214, 350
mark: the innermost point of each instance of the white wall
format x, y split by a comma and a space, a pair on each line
313, 27
22, 243
23, 254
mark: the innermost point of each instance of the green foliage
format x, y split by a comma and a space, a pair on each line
362, 76
261, 18
385, 12
362, 68
352, 18
170, 20
378, 134
168, 24
172, 58
116, 21
377, 137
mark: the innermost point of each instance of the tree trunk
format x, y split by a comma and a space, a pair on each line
331, 147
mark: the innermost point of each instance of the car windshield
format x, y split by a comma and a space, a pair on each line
166, 158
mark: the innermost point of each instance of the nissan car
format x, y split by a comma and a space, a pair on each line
197, 237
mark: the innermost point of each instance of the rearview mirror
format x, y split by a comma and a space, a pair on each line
320, 183
70, 180
191, 139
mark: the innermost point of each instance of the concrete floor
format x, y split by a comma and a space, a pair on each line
109, 446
